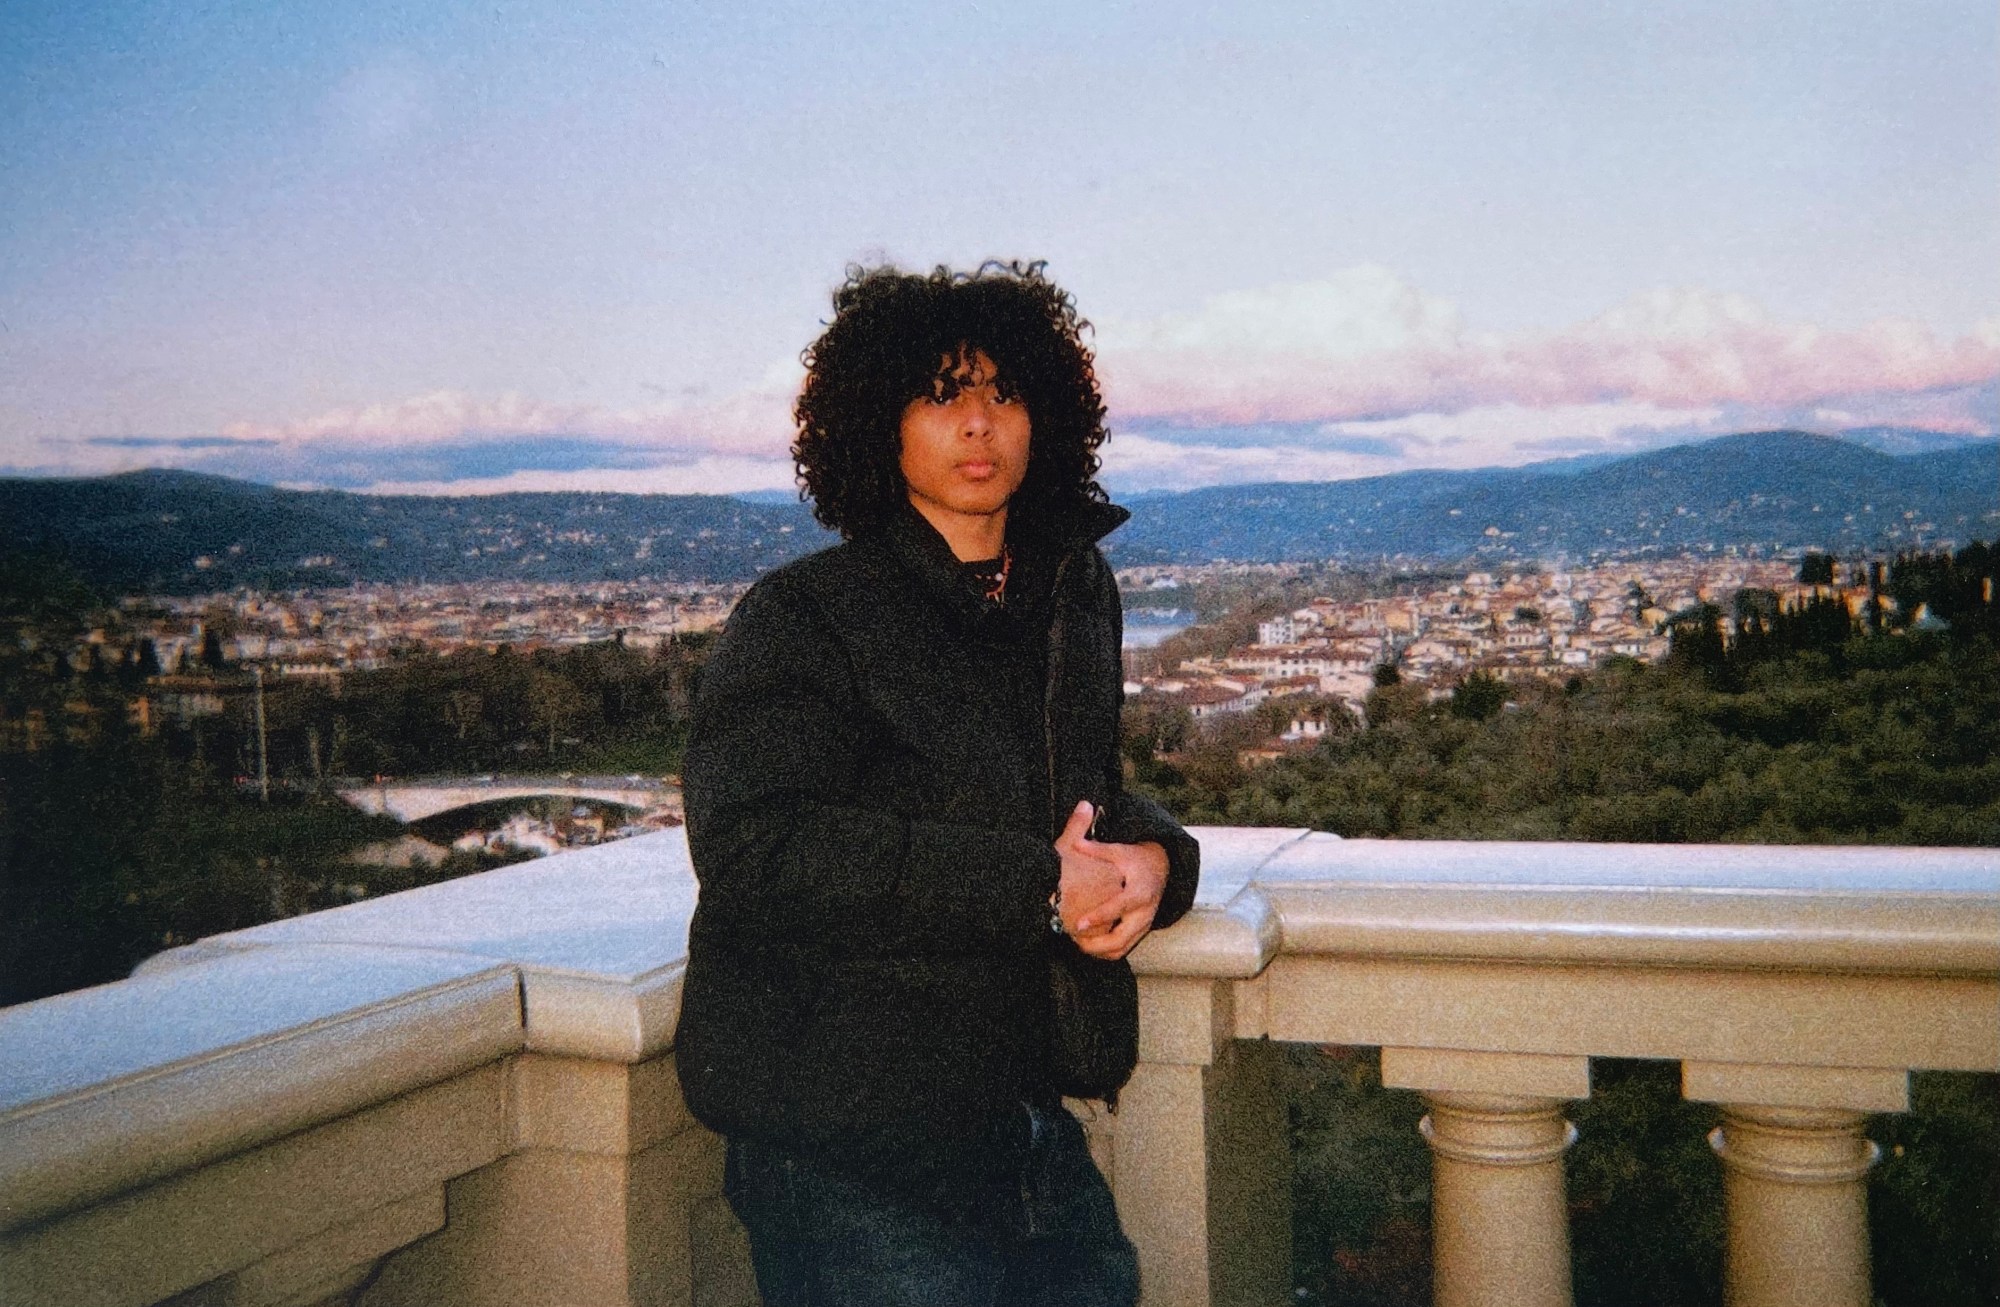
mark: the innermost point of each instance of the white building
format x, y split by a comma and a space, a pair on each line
1279, 630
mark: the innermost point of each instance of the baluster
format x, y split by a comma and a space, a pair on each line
1499, 1219
1794, 1184
1500, 1229
1794, 1178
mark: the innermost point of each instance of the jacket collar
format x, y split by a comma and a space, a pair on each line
1040, 547
1081, 522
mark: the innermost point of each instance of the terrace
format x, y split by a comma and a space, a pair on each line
465, 1094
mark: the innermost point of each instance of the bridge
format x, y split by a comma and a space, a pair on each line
414, 800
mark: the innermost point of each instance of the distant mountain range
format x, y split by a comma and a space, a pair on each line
1771, 489
160, 532
1880, 490
1908, 440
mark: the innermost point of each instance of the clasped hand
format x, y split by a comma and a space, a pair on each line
1109, 892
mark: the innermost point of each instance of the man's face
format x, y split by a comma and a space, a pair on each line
965, 445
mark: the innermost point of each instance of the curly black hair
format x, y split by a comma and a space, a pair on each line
893, 335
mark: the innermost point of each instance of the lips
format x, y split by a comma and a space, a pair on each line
977, 470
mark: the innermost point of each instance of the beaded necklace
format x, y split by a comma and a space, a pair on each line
989, 575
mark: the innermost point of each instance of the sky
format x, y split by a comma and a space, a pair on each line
463, 248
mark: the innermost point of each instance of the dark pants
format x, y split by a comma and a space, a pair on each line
820, 1240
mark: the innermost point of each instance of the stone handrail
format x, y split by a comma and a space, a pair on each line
456, 1095
1797, 987
465, 1093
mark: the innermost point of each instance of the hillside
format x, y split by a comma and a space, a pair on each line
179, 532
1774, 490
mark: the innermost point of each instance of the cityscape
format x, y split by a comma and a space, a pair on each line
204, 653
360, 628
1509, 624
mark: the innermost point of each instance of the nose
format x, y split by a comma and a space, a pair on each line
977, 420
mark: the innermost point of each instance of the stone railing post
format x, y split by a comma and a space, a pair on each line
1499, 1221
607, 1196
1794, 1180
1200, 1162
1198, 1154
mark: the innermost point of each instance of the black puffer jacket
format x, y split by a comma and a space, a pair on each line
878, 764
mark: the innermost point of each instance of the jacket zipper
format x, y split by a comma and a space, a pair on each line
1049, 748
1056, 820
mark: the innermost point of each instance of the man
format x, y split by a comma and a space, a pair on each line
906, 813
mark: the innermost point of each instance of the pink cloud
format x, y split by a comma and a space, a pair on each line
752, 422
1363, 354
1366, 345
709, 475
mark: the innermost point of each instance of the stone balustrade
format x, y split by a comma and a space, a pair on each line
465, 1094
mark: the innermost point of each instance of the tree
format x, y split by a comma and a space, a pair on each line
1757, 612
553, 704
1479, 696
1394, 702
1152, 726
1695, 643
1755, 604
463, 709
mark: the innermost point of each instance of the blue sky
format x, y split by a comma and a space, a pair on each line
504, 246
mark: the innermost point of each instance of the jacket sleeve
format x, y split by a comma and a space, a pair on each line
784, 847
1136, 819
